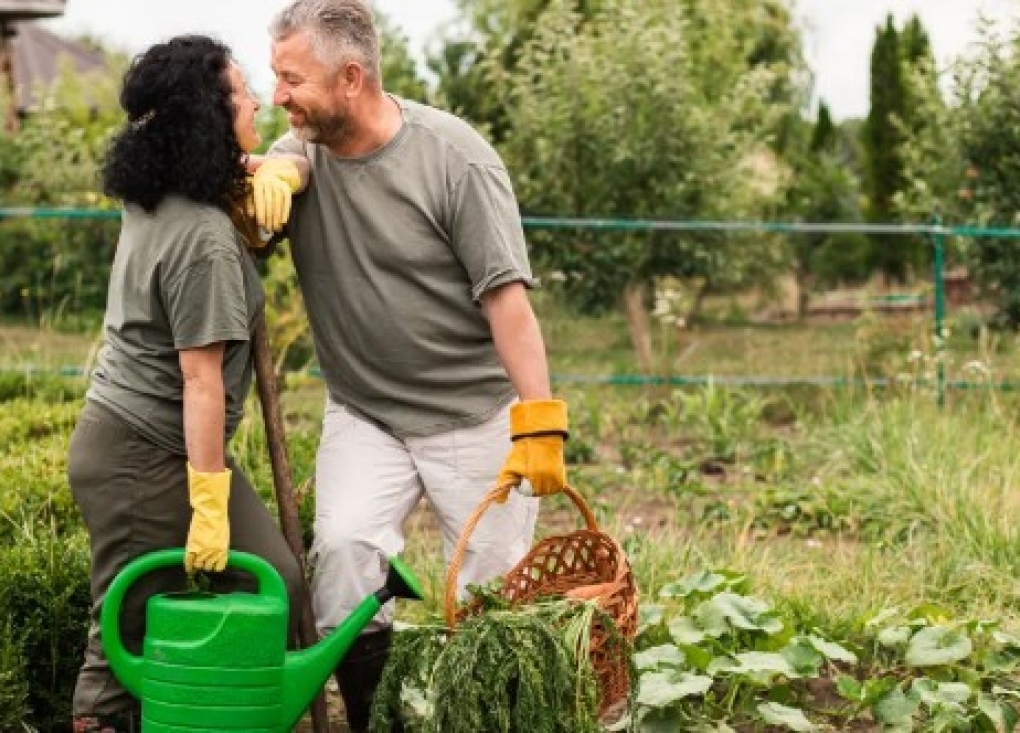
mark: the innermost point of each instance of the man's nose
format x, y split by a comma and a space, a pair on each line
280, 95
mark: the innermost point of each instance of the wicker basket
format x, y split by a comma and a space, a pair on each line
586, 564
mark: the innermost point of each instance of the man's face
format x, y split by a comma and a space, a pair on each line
313, 94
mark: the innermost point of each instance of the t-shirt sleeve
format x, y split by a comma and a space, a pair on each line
486, 231
206, 302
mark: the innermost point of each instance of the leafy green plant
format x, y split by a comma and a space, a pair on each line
804, 511
723, 419
13, 683
45, 389
505, 669
54, 272
712, 654
932, 672
44, 592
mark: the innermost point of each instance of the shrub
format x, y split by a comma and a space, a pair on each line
13, 686
37, 467
54, 269
44, 592
47, 388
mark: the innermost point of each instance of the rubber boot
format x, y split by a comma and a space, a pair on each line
358, 676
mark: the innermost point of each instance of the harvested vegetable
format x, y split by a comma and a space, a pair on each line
504, 670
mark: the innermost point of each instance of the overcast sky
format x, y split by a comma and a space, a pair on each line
838, 36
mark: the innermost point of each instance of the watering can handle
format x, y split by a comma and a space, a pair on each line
128, 666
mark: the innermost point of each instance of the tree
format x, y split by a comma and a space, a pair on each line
637, 113
469, 63
883, 138
823, 134
903, 83
52, 267
399, 69
981, 188
823, 189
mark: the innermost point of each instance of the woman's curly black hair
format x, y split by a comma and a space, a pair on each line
179, 138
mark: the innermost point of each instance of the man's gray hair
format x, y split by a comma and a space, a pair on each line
338, 30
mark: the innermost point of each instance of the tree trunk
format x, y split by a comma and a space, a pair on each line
637, 324
699, 300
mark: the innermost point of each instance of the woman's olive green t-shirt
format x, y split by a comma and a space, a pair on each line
181, 279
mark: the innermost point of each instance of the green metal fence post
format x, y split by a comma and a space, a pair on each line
938, 264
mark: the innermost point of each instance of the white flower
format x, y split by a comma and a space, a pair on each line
977, 367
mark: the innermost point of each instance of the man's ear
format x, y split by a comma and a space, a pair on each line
354, 78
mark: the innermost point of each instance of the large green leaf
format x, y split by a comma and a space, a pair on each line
754, 663
662, 689
704, 583
665, 655
1001, 714
937, 645
650, 614
728, 610
686, 630
895, 708
831, 650
895, 636
803, 657
790, 718
934, 694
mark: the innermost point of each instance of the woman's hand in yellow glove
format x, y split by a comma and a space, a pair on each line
538, 429
272, 186
209, 535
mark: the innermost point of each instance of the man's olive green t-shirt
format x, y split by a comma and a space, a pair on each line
392, 252
180, 280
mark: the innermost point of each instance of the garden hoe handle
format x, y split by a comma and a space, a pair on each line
498, 494
269, 396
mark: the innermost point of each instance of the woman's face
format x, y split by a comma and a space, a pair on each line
245, 107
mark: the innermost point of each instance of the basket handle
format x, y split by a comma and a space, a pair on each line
499, 493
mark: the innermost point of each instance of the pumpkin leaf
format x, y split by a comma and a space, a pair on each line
662, 689
937, 645
790, 718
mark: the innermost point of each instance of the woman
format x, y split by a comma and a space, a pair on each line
147, 462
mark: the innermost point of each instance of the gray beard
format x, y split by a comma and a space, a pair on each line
332, 132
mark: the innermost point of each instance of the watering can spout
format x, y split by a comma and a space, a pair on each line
306, 671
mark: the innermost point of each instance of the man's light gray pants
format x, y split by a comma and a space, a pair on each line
367, 483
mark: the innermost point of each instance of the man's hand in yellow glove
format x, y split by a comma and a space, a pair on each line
538, 429
272, 186
209, 536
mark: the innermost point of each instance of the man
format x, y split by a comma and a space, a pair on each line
411, 257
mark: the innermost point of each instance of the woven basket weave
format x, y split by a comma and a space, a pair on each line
586, 564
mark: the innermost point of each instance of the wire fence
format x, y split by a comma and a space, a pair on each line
936, 233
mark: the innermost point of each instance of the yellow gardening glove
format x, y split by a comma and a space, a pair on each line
272, 186
209, 535
538, 429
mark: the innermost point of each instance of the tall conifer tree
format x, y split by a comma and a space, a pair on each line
883, 139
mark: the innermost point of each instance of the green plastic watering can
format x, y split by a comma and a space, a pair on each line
219, 662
